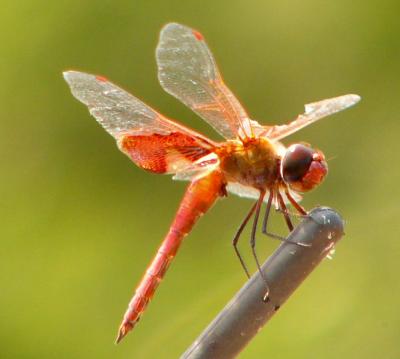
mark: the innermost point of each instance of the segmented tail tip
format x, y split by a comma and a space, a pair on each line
124, 329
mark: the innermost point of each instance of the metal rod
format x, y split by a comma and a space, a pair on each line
288, 266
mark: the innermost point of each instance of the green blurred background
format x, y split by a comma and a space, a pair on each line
79, 222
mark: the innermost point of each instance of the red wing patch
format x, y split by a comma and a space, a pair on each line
164, 153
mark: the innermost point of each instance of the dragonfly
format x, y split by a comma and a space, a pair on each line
251, 162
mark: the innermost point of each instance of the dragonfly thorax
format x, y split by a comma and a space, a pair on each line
254, 162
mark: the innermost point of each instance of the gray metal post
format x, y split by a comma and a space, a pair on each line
288, 266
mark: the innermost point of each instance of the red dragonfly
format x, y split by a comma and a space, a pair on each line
250, 163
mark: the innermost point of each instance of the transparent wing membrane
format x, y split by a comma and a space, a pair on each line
117, 110
187, 70
313, 112
152, 141
252, 193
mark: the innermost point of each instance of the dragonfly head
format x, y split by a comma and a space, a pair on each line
303, 168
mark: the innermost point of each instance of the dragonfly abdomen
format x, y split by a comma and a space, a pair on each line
199, 197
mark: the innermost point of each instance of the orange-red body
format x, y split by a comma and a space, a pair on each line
199, 197
254, 163
250, 163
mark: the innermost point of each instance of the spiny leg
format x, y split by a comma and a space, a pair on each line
253, 244
289, 223
291, 214
294, 203
282, 206
301, 212
237, 236
266, 216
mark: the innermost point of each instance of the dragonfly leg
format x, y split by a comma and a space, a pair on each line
292, 214
253, 244
283, 210
237, 236
296, 205
289, 223
266, 217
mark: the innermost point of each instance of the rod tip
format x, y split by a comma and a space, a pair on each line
330, 223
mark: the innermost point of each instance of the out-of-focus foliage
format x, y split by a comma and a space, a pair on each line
79, 222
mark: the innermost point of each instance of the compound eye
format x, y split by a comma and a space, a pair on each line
296, 162
303, 168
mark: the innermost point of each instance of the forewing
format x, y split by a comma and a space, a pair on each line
118, 111
313, 112
187, 70
152, 141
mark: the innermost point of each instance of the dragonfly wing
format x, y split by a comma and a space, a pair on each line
313, 112
187, 70
243, 191
117, 110
198, 168
170, 153
152, 141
